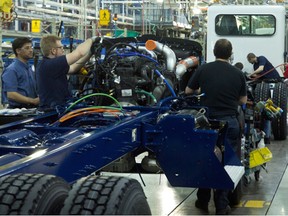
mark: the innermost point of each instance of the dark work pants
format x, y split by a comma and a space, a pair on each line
221, 196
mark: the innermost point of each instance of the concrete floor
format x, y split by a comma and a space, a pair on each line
268, 196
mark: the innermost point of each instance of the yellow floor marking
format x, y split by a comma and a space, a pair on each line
268, 203
254, 204
241, 204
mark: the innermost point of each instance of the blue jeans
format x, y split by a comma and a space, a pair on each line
267, 128
221, 196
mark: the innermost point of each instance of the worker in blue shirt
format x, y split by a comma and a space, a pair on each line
18, 79
52, 71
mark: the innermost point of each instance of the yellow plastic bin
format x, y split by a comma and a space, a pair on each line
259, 157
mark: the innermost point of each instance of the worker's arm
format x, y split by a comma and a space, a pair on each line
189, 91
74, 68
258, 70
242, 100
79, 56
15, 96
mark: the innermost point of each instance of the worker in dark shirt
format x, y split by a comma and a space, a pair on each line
239, 65
262, 67
18, 79
52, 71
224, 87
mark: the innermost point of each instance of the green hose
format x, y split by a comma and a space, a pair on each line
147, 93
91, 95
106, 107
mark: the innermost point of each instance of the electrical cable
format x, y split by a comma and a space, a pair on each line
85, 112
91, 95
93, 108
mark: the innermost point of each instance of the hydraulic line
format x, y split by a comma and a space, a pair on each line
169, 99
268, 71
166, 82
136, 54
118, 44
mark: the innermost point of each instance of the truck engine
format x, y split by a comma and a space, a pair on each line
137, 75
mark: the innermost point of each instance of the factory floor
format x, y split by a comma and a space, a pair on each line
268, 196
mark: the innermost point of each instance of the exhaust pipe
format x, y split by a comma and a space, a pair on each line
169, 53
183, 65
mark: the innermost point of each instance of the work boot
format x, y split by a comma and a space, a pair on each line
225, 211
202, 206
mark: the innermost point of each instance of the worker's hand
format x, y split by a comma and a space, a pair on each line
95, 39
96, 47
253, 75
34, 101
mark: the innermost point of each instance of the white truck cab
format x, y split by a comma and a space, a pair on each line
259, 29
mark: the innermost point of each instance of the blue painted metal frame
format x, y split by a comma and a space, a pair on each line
186, 154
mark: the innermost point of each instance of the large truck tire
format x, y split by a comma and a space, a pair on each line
262, 92
279, 124
106, 195
32, 194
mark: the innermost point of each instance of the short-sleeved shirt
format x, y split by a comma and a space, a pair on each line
52, 82
222, 84
18, 77
262, 61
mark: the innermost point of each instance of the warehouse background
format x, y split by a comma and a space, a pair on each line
81, 19
77, 20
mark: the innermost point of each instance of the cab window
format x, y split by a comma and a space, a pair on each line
247, 25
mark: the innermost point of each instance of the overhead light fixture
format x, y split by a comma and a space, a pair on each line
196, 11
